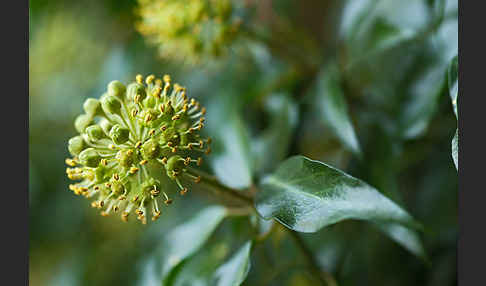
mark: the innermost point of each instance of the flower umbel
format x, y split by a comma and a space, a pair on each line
135, 144
189, 30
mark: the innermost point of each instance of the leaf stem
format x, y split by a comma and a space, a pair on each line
213, 183
324, 277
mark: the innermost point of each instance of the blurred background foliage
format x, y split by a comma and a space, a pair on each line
358, 84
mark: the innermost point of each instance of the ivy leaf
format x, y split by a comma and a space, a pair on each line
181, 243
235, 270
307, 195
455, 149
453, 81
334, 108
272, 145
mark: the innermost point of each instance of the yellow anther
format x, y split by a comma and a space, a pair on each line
152, 132
139, 78
135, 199
203, 110
150, 79
143, 162
148, 118
183, 191
124, 216
197, 179
187, 161
208, 151
133, 170
134, 112
157, 92
112, 147
156, 215
138, 145
164, 160
116, 177
104, 162
199, 161
70, 162
166, 78
168, 202
176, 117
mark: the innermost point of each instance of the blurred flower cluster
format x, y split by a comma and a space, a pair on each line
189, 30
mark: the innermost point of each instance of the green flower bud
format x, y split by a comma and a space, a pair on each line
89, 157
82, 121
174, 166
125, 158
135, 163
136, 92
117, 187
150, 149
105, 125
76, 145
92, 107
119, 134
111, 104
117, 89
101, 172
95, 132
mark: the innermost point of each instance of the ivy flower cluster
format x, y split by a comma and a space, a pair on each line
135, 144
188, 30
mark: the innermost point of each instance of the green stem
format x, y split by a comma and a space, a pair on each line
213, 183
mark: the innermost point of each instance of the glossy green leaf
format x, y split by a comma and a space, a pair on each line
453, 80
271, 147
181, 243
307, 195
235, 270
455, 149
334, 108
